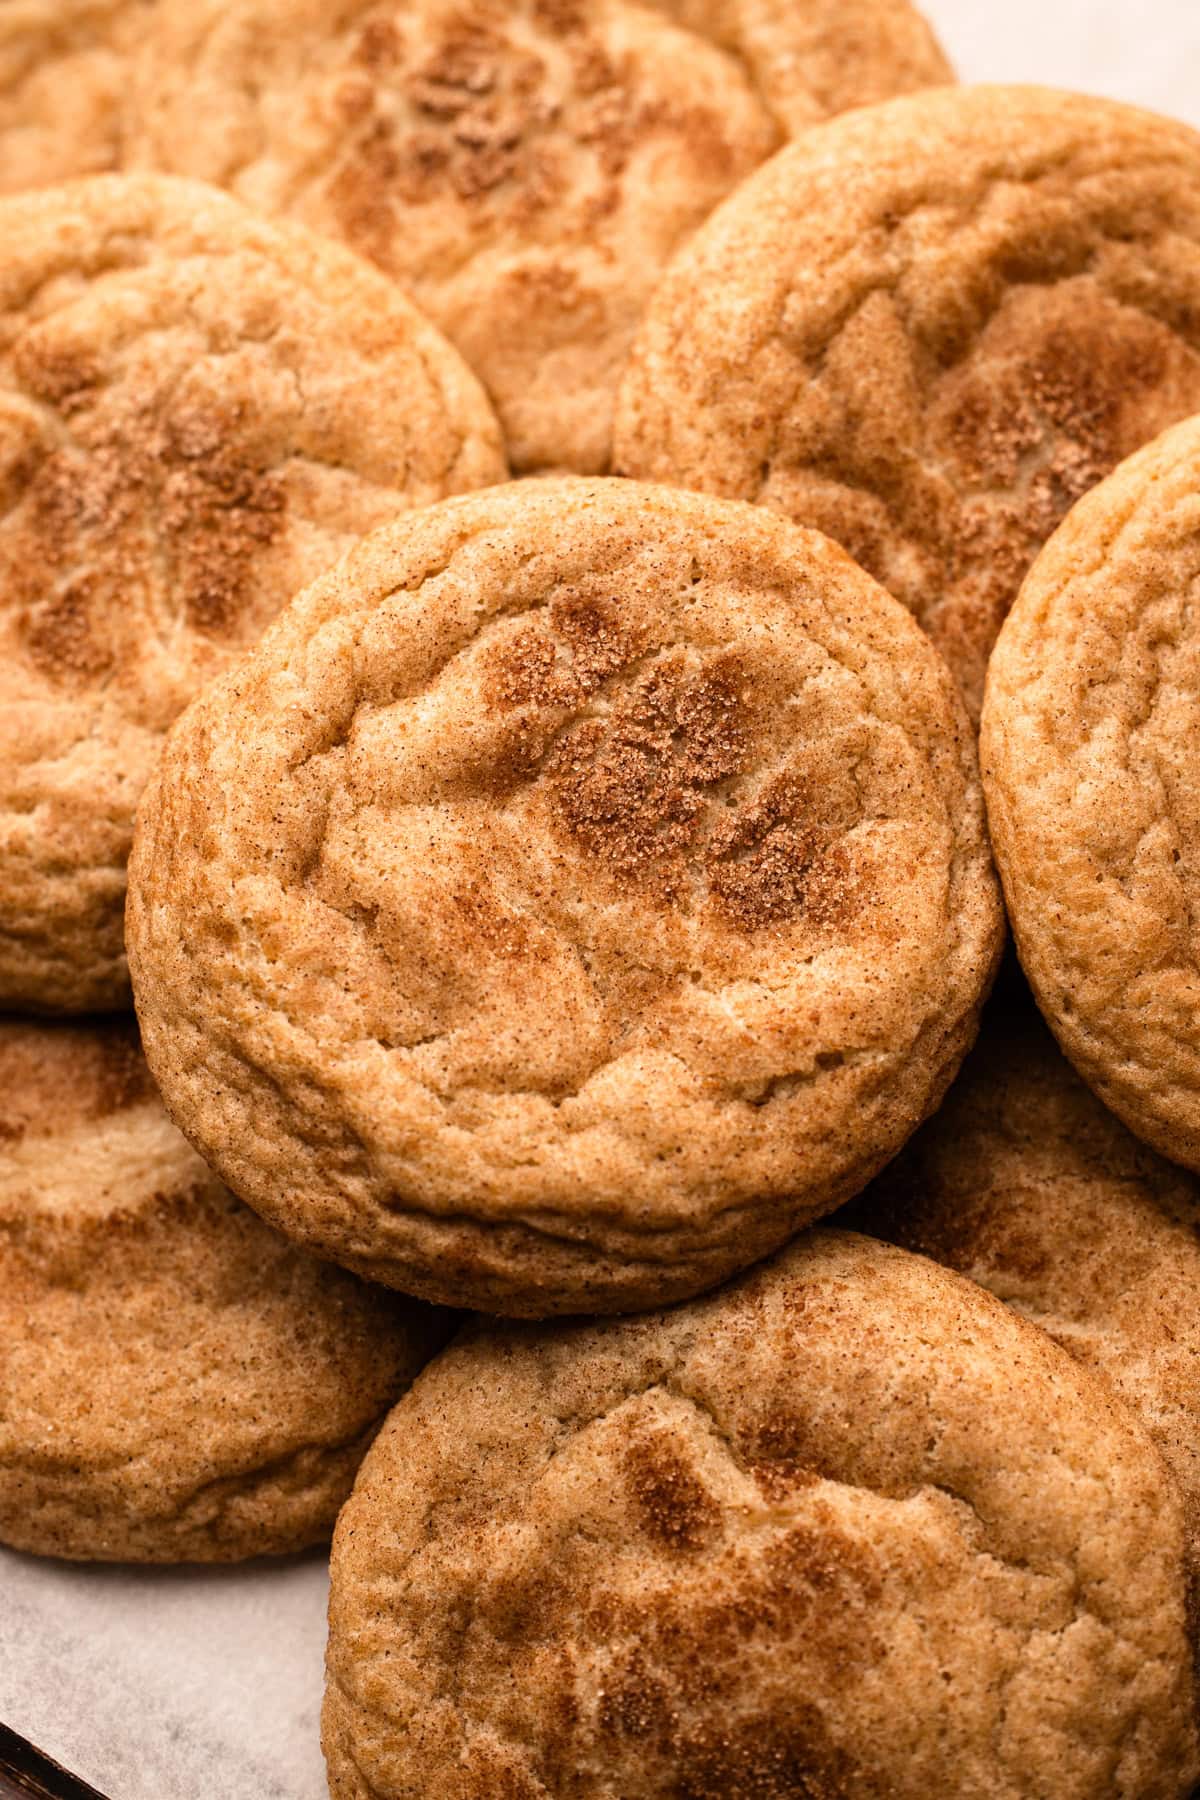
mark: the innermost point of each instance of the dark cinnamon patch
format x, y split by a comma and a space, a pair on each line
379, 45
790, 1444
1064, 386
563, 662
674, 1507
123, 1076
773, 860
82, 535
782, 1477
560, 17
219, 511
634, 1702
60, 635
60, 377
474, 105
764, 1759
631, 788
487, 120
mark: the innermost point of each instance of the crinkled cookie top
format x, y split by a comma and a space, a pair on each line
847, 1528
579, 889
927, 328
525, 169
177, 1382
199, 412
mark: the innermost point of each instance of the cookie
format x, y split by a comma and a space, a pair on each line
524, 167
198, 413
927, 328
1089, 750
848, 1527
1028, 1185
812, 58
64, 76
579, 890
177, 1383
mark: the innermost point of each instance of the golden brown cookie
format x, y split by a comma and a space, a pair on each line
579, 890
926, 328
524, 167
811, 58
177, 1383
64, 77
198, 413
847, 1528
1091, 752
1028, 1185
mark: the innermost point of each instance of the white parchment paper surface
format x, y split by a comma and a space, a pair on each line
205, 1685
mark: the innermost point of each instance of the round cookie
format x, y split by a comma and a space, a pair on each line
1090, 735
847, 1528
926, 328
199, 412
177, 1382
1024, 1182
580, 889
64, 74
525, 167
812, 58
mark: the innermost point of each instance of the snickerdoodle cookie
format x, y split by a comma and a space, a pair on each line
176, 1381
1091, 753
525, 167
1028, 1185
848, 1527
198, 413
927, 328
580, 889
64, 77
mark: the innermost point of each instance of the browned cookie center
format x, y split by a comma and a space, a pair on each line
586, 863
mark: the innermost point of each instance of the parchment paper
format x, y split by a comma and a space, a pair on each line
199, 1685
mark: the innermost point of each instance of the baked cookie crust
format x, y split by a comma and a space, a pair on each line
1091, 724
199, 412
927, 328
847, 1527
1027, 1185
576, 892
177, 1383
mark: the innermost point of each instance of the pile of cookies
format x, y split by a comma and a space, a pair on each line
549, 552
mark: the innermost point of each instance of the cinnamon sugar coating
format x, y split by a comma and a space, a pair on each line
525, 168
580, 889
177, 1383
927, 328
198, 413
1028, 1185
1090, 735
846, 1528
64, 82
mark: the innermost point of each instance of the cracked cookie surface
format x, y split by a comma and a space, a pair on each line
927, 328
64, 77
1090, 735
848, 1527
198, 413
1025, 1183
524, 169
577, 891
177, 1382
